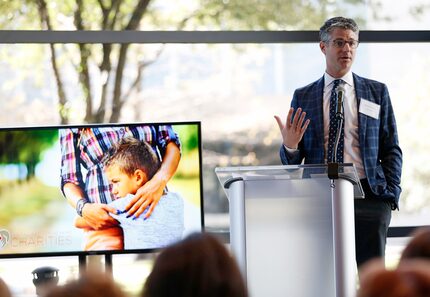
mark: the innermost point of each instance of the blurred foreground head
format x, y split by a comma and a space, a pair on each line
410, 279
90, 284
197, 266
418, 246
4, 289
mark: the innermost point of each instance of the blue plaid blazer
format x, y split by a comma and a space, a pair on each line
379, 144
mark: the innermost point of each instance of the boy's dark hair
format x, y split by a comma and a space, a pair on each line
337, 22
131, 154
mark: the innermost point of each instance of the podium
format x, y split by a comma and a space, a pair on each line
292, 228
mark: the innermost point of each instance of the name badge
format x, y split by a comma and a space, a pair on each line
369, 108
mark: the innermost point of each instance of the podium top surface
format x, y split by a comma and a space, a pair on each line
228, 175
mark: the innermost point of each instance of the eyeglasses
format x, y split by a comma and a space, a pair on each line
340, 43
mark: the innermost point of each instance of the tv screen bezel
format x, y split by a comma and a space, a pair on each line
111, 252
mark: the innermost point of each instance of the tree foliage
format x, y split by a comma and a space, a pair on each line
25, 147
189, 136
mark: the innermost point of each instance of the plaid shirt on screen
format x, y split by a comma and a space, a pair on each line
82, 150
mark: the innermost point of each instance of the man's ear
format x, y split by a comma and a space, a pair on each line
323, 46
140, 177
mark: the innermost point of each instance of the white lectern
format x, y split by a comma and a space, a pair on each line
292, 228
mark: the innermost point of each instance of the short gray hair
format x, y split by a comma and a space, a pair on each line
337, 22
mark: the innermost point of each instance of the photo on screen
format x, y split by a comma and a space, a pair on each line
99, 189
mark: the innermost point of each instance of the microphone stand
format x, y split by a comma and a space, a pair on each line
339, 117
342, 223
333, 167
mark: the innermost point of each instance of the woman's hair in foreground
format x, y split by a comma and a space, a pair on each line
410, 279
131, 154
197, 266
89, 284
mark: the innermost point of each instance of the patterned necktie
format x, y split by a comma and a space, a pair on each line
333, 128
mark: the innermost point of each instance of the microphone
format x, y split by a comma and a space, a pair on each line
340, 90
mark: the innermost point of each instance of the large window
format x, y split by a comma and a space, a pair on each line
234, 90
215, 15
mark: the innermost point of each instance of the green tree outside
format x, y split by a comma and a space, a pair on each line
25, 147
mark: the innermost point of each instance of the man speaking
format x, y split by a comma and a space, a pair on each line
368, 134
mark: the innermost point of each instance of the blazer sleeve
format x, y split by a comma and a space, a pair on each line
390, 154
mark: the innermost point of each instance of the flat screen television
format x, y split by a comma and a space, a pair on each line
61, 186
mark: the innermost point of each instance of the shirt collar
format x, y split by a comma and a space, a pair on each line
347, 78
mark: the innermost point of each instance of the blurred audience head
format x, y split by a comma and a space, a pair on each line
418, 246
410, 279
199, 265
89, 284
4, 289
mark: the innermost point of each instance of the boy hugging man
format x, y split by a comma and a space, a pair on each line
129, 165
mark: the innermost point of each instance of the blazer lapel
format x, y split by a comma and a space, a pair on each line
319, 88
361, 92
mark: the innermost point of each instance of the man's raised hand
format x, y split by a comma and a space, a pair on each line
293, 130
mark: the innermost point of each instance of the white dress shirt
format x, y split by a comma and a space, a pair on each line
351, 153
